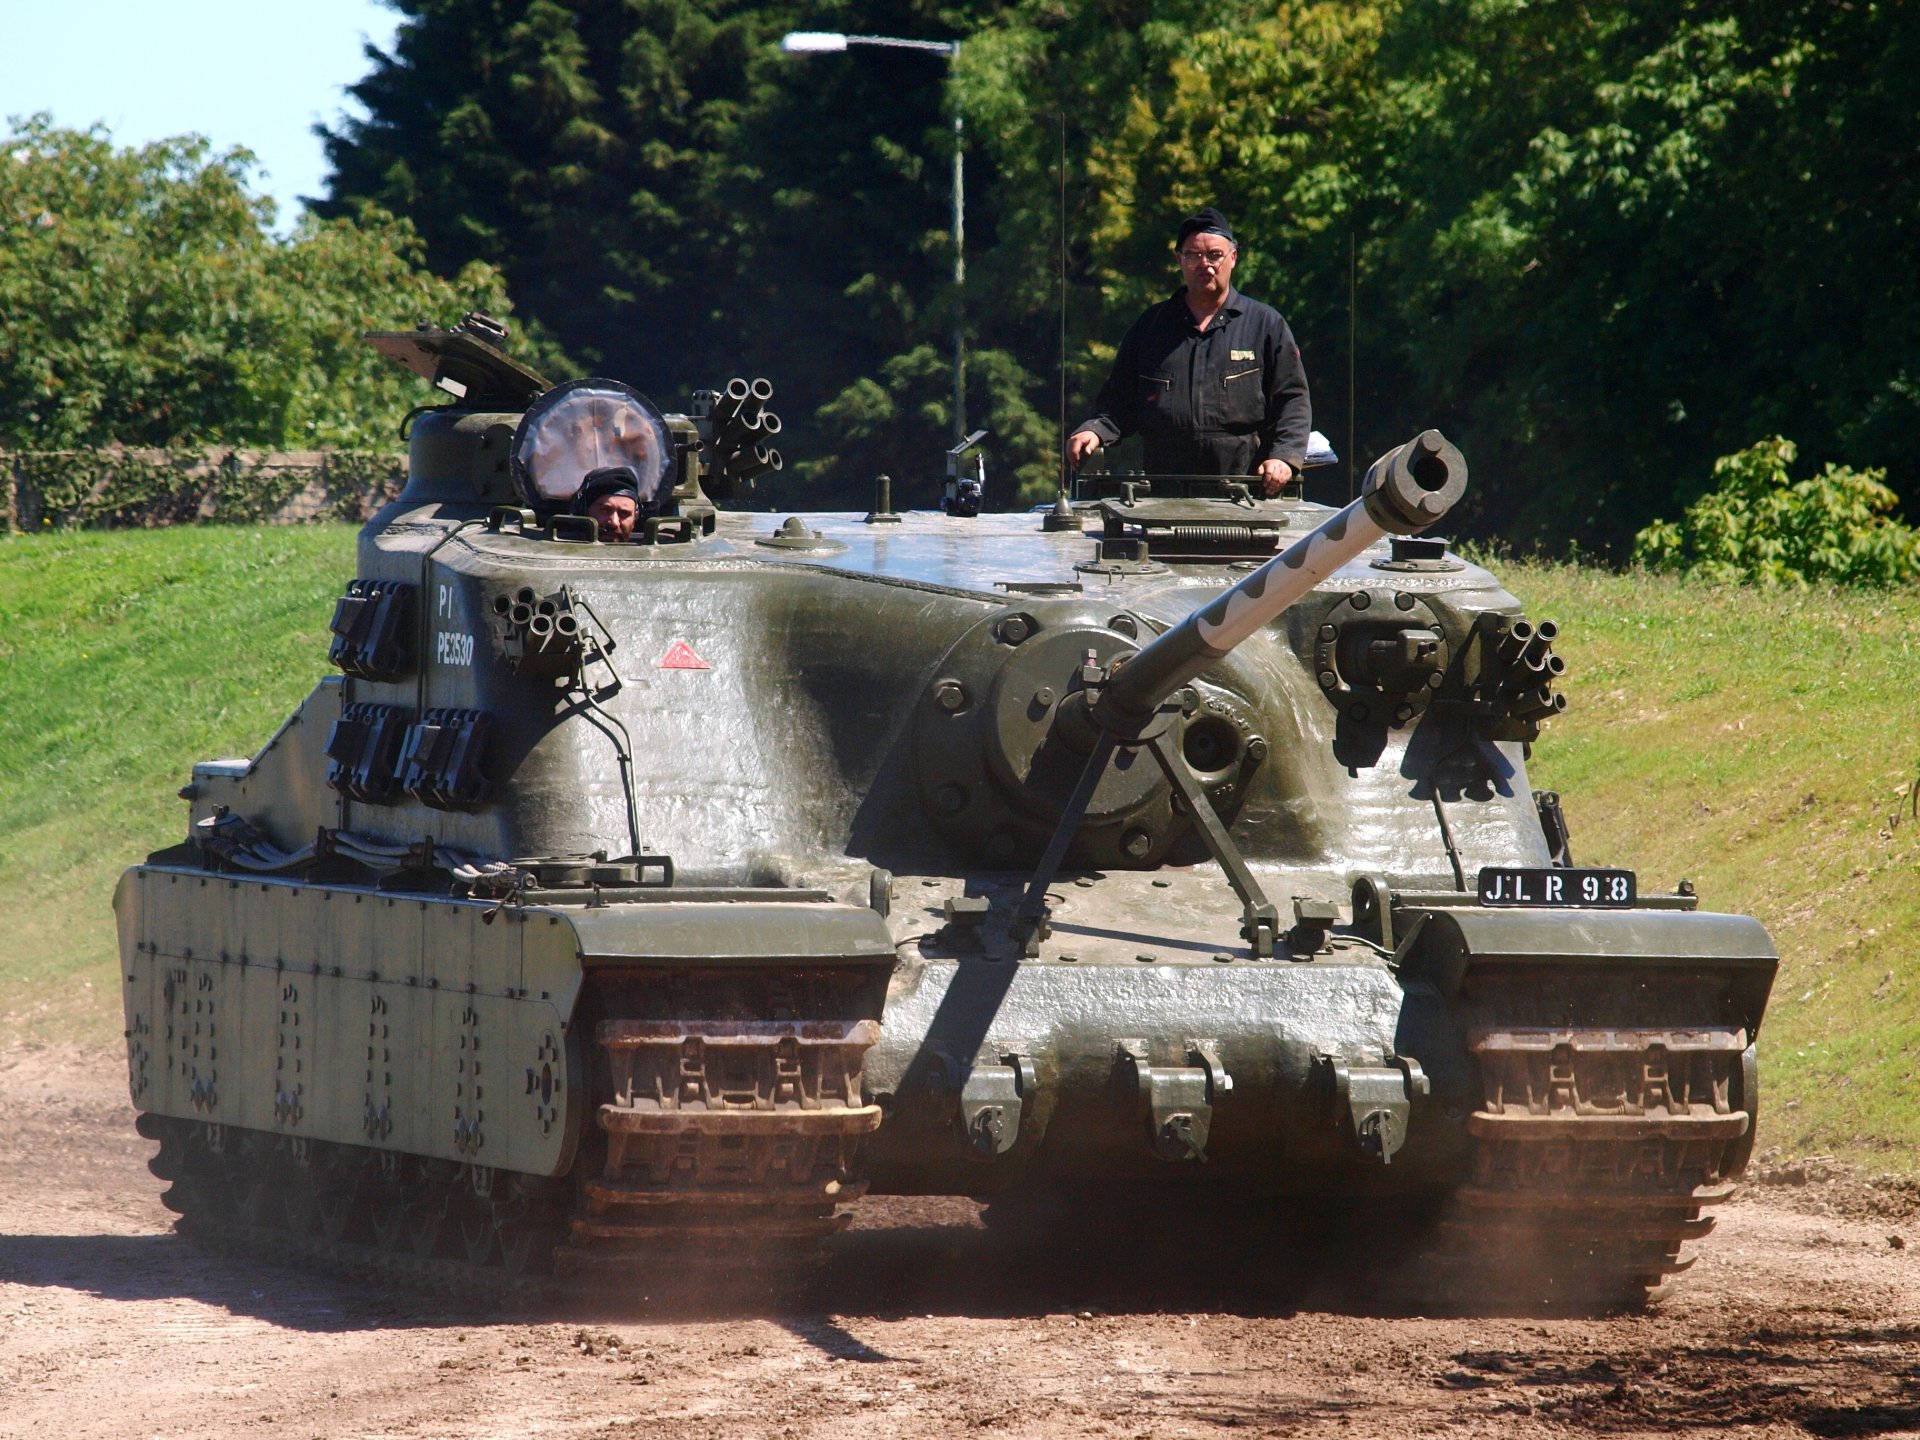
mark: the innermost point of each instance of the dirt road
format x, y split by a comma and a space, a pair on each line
1802, 1318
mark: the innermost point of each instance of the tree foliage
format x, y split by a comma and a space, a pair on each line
1622, 240
676, 200
1601, 245
147, 303
1758, 524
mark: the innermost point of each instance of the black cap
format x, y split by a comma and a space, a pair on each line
1206, 221
608, 480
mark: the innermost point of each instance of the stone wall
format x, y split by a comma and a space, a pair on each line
117, 488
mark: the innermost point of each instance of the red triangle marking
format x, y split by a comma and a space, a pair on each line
680, 656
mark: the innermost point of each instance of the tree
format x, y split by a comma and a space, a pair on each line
1624, 240
673, 198
568, 143
679, 201
1759, 524
147, 303
1599, 245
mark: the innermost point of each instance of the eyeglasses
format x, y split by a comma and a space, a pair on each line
1205, 257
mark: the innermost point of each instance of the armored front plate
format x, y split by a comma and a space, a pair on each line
340, 1014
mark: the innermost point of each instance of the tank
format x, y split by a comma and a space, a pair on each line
606, 904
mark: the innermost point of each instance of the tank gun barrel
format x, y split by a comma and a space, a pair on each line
1406, 490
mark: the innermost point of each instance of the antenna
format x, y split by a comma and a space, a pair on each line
1061, 517
1353, 331
1063, 301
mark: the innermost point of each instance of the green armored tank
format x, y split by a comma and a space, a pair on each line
612, 902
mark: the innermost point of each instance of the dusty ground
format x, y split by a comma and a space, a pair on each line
1802, 1318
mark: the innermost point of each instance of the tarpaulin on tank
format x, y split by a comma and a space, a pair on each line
588, 425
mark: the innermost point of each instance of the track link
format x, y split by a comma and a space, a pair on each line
741, 1138
728, 1148
1595, 1153
388, 1221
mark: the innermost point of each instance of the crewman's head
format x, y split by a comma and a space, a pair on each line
1207, 251
610, 495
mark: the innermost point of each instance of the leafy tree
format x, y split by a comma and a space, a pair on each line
571, 143
1622, 239
679, 201
147, 303
1600, 245
844, 290
1206, 105
1757, 524
675, 199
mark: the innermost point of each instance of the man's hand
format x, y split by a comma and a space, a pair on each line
1273, 473
1080, 445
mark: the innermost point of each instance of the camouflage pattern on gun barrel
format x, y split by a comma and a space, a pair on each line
1406, 490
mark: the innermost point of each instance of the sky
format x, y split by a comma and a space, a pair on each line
252, 73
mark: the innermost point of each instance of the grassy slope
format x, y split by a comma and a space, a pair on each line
1766, 746
1760, 744
123, 659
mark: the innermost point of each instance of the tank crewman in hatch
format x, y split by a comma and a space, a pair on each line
594, 447
611, 495
1209, 378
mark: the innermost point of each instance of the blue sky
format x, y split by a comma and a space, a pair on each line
255, 73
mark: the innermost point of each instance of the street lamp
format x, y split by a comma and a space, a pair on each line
827, 42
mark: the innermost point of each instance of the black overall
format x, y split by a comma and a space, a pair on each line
1208, 402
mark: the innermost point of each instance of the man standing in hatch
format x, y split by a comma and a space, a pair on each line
1210, 379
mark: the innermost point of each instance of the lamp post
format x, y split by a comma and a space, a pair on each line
826, 42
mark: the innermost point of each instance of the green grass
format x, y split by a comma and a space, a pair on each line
1762, 744
124, 658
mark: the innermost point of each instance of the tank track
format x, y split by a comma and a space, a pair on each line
726, 1148
1595, 1152
354, 1213
740, 1138
368, 1265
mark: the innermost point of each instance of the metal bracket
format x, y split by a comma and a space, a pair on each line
1179, 1099
1373, 910
287, 1109
992, 1101
1313, 921
990, 1105
965, 915
1370, 1104
1260, 922
376, 1120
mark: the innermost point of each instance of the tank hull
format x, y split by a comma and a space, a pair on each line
621, 903
414, 1065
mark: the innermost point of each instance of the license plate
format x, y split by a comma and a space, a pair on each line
1586, 889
